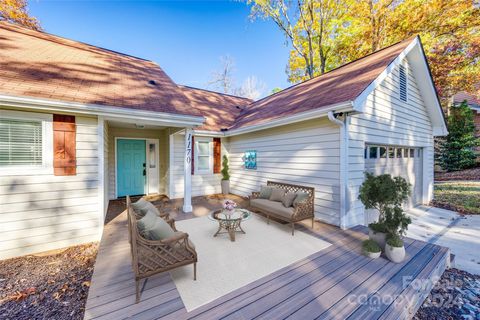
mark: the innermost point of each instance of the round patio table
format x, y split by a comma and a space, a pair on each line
229, 222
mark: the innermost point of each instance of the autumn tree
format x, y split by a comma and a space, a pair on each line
15, 11
336, 32
310, 26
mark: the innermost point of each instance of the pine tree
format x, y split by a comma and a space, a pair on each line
457, 149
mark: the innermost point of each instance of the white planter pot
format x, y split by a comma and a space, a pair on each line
372, 255
225, 187
379, 237
395, 254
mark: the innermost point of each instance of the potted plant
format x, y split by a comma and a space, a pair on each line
377, 233
225, 176
394, 249
386, 195
371, 249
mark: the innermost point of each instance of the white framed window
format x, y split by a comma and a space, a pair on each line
203, 155
26, 142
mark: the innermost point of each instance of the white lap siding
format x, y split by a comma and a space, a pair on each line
41, 212
388, 121
202, 184
306, 153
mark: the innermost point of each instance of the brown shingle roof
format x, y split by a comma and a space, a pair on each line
37, 64
220, 110
472, 100
339, 85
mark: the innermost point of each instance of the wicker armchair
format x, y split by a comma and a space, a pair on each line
157, 256
301, 211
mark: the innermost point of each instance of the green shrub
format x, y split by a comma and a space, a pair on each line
457, 150
386, 194
378, 227
225, 170
394, 240
370, 246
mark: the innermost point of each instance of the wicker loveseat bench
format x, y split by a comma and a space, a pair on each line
300, 210
150, 257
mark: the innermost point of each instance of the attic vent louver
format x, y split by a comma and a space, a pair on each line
403, 83
152, 82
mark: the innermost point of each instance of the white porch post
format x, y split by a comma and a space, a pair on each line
187, 173
101, 173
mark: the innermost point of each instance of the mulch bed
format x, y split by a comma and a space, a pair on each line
455, 296
47, 286
468, 174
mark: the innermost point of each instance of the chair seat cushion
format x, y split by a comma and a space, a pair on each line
273, 207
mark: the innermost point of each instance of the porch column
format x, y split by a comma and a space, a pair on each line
187, 172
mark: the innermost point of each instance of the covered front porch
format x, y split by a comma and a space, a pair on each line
145, 157
336, 282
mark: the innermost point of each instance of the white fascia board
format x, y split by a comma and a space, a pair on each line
303, 116
208, 133
360, 101
117, 113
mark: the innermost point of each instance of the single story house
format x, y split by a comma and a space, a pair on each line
81, 125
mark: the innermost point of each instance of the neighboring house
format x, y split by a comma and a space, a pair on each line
474, 104
81, 125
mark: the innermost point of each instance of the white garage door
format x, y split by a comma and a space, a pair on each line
397, 161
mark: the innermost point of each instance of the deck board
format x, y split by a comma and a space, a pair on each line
317, 287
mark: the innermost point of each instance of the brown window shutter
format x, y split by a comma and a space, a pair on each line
64, 145
193, 155
217, 155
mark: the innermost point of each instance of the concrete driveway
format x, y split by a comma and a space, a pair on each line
449, 229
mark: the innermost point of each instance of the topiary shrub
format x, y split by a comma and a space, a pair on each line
386, 194
225, 171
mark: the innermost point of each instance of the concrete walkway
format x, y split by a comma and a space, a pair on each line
449, 229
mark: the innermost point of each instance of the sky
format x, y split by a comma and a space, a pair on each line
186, 38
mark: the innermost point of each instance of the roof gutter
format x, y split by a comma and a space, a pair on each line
332, 116
303, 116
110, 112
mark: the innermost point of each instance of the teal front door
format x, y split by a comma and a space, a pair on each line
131, 170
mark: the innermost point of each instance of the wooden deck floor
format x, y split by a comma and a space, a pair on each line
335, 283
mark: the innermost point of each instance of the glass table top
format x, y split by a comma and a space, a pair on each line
236, 214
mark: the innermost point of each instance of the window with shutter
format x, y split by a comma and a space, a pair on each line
64, 145
25, 142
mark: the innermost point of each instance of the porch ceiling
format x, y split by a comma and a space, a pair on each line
134, 125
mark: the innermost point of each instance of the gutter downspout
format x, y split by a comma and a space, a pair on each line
343, 164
